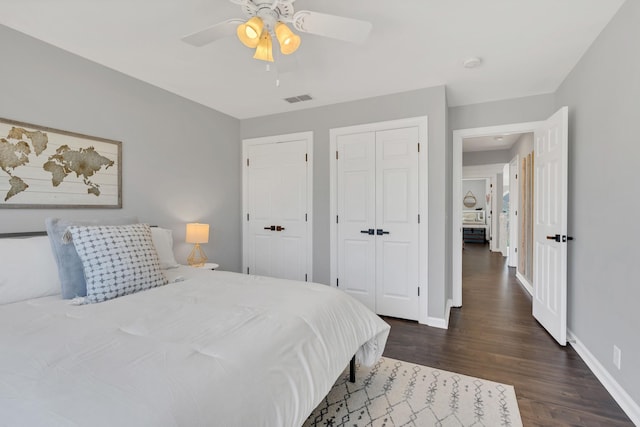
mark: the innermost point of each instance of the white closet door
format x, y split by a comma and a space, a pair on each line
277, 192
397, 230
356, 213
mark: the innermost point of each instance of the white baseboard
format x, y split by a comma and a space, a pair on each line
442, 323
628, 405
525, 283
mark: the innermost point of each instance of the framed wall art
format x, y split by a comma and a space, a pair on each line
42, 167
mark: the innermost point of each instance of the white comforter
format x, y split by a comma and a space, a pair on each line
217, 349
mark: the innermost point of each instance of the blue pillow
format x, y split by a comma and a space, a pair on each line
70, 270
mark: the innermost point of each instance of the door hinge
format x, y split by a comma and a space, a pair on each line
247, 270
305, 277
337, 283
247, 161
516, 213
418, 218
516, 176
516, 250
305, 218
247, 217
418, 147
418, 290
336, 154
337, 219
490, 185
306, 157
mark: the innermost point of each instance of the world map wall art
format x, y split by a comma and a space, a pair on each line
49, 168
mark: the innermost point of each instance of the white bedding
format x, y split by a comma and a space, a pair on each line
217, 349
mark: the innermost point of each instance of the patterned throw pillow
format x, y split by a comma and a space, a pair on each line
117, 260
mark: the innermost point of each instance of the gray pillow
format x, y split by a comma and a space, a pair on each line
69, 264
117, 259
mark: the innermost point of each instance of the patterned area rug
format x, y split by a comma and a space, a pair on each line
396, 393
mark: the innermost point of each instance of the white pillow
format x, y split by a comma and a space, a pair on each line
163, 241
117, 260
27, 269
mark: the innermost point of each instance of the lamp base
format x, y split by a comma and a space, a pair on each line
197, 258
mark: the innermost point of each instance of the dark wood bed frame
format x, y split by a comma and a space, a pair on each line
352, 363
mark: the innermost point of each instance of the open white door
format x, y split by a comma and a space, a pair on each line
550, 225
514, 202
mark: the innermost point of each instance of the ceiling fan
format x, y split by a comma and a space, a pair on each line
270, 17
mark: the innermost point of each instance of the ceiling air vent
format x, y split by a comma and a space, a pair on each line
298, 98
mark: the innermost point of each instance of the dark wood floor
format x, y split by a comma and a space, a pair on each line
494, 336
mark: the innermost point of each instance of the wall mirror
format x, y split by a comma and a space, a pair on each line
469, 200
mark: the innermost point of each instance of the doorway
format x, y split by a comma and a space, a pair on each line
549, 169
478, 136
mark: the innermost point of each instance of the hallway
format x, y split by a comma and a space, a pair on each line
494, 336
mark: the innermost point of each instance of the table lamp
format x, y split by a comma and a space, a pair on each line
197, 233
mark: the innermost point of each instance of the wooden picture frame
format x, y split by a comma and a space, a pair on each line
42, 167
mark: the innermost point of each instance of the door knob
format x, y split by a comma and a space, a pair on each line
270, 227
380, 232
279, 228
370, 232
556, 238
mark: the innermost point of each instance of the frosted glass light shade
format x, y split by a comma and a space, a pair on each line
249, 32
289, 41
264, 49
197, 233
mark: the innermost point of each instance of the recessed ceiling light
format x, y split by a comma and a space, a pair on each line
472, 62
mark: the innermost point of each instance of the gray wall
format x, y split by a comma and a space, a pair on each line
477, 158
518, 110
603, 95
430, 102
181, 161
522, 147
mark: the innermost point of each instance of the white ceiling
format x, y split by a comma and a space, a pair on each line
490, 143
528, 47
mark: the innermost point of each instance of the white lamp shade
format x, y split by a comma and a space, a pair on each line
197, 233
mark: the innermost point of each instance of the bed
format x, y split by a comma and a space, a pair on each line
210, 348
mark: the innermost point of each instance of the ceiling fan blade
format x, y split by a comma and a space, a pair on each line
337, 27
213, 33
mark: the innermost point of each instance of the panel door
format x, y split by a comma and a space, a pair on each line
514, 200
356, 213
550, 225
397, 229
277, 187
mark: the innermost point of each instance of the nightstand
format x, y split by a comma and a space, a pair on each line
210, 266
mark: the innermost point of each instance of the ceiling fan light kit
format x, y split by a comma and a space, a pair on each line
263, 50
267, 18
289, 41
249, 33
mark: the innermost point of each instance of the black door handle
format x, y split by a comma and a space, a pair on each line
270, 227
279, 228
560, 238
380, 232
370, 231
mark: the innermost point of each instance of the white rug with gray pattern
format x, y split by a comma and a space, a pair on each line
393, 393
